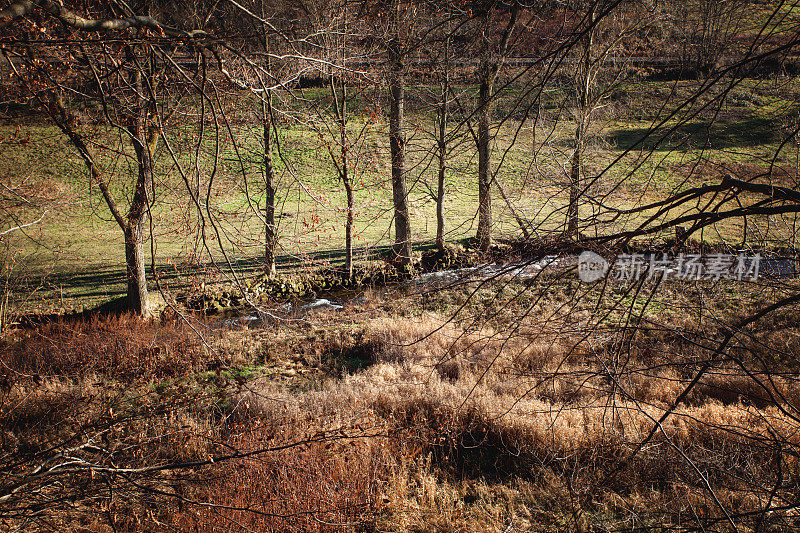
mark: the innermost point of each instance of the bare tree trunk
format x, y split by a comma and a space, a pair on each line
487, 73
341, 112
134, 254
132, 224
348, 236
269, 189
138, 298
584, 81
139, 131
402, 224
484, 165
440, 198
270, 235
137, 214
575, 184
343, 168
443, 115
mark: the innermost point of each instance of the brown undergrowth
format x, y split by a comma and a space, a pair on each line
398, 418
121, 346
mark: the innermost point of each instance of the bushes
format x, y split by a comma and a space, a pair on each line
325, 484
84, 400
123, 347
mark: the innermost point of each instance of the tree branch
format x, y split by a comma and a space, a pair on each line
20, 8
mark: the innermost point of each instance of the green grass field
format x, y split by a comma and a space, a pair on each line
75, 256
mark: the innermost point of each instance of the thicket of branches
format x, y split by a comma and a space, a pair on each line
149, 74
160, 102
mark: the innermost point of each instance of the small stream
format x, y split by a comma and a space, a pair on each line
771, 267
523, 270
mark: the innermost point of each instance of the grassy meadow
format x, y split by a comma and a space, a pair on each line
706, 139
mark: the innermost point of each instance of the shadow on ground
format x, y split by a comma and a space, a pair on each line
718, 135
109, 284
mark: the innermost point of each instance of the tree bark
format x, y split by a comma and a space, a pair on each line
348, 236
269, 190
132, 224
484, 165
402, 224
340, 107
144, 139
270, 233
443, 116
584, 83
138, 298
576, 164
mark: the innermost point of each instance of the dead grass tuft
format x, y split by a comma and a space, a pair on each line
316, 479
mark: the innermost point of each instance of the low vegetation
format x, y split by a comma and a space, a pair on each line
406, 266
390, 416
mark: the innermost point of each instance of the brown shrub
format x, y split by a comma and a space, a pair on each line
97, 422
122, 346
324, 483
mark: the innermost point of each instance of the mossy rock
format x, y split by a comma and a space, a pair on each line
436, 259
500, 249
215, 308
453, 256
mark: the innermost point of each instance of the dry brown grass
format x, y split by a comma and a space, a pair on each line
417, 423
327, 483
543, 420
112, 393
121, 346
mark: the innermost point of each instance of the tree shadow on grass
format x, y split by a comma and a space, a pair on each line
109, 285
719, 135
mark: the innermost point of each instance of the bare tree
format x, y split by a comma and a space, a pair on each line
267, 124
490, 64
143, 135
125, 81
340, 109
585, 98
439, 52
396, 52
600, 31
441, 141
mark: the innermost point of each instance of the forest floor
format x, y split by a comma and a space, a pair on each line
503, 406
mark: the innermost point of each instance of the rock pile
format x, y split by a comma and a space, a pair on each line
262, 289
